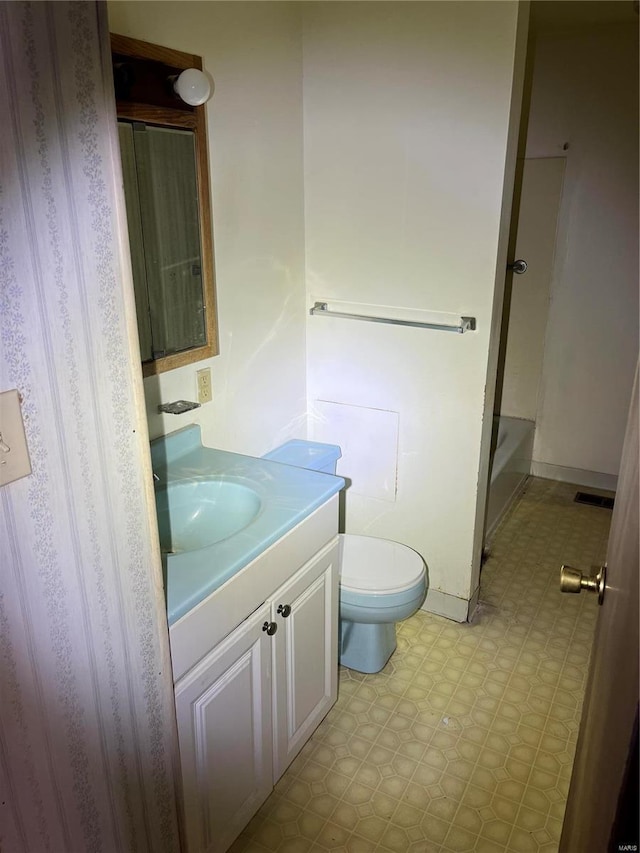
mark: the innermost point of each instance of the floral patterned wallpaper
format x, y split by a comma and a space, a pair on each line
87, 744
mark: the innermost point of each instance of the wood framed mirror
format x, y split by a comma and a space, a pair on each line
163, 146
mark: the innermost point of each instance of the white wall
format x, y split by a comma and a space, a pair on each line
406, 131
540, 197
585, 93
254, 53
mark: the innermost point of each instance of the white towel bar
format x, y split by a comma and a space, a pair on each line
466, 324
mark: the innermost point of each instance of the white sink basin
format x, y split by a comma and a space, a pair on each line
194, 514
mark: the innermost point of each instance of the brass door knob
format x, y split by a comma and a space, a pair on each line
572, 580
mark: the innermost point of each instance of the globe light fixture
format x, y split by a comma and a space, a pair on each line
193, 86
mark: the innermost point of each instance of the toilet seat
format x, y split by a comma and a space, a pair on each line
378, 566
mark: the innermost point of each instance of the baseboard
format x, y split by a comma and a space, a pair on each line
591, 479
449, 606
473, 603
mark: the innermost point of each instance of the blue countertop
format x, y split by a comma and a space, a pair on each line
287, 495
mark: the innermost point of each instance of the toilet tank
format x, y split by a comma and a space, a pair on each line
307, 454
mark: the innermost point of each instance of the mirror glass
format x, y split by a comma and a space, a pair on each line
161, 192
164, 153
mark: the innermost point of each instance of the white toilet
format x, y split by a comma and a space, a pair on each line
381, 582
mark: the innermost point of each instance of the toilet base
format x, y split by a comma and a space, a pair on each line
366, 647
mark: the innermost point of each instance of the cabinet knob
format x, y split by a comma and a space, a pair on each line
270, 628
284, 610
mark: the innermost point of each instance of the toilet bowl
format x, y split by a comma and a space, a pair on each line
381, 582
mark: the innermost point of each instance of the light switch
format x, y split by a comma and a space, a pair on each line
14, 453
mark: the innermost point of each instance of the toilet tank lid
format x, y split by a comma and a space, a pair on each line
305, 454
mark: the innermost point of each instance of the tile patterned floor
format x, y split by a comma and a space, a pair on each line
465, 741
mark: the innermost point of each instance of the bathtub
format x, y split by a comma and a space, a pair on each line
510, 466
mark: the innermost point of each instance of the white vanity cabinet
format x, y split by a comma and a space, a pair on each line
249, 704
223, 709
305, 650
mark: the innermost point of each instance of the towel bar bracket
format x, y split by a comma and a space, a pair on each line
468, 324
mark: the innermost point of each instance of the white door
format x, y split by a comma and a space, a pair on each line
306, 654
611, 698
223, 708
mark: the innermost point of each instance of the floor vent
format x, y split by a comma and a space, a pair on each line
593, 500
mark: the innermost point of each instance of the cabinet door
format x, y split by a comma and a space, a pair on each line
306, 654
223, 708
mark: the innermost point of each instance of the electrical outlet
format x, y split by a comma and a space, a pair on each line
205, 392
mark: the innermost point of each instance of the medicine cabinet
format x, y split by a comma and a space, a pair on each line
163, 146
